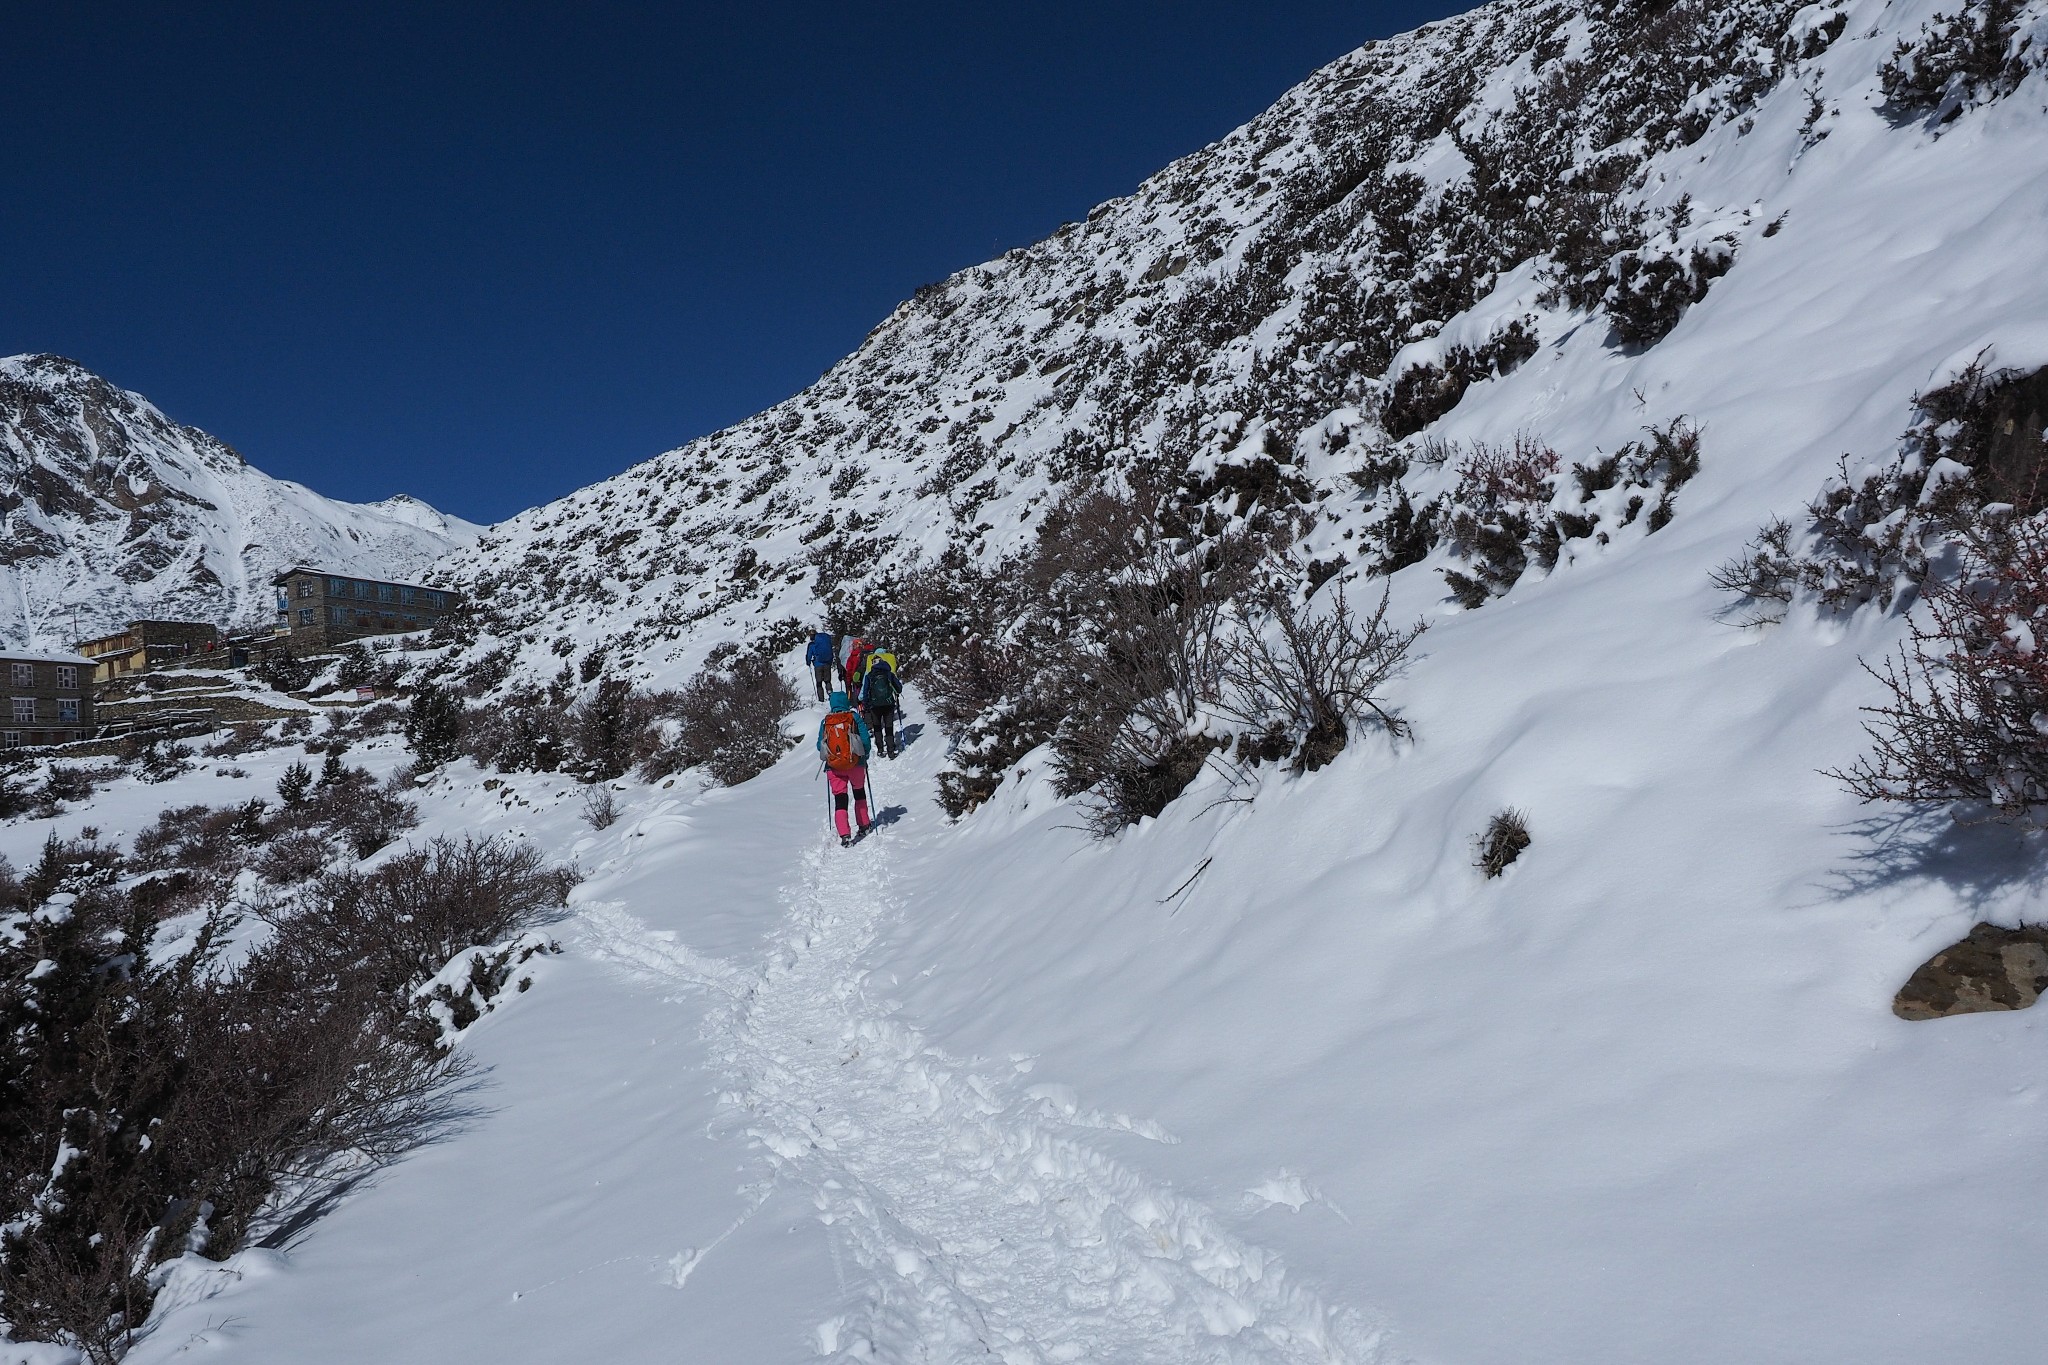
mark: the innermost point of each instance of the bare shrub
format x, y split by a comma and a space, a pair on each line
728, 723
1968, 693
1133, 686
1506, 835
1494, 512
68, 782
295, 857
965, 682
600, 807
528, 730
419, 910
1310, 675
197, 836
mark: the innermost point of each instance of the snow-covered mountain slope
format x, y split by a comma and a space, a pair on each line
112, 512
1278, 1076
1544, 181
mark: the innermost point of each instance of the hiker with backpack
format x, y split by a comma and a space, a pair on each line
855, 660
880, 693
821, 656
843, 745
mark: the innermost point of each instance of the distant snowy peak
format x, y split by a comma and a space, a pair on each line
109, 511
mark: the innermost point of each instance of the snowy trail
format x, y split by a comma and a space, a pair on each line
991, 1230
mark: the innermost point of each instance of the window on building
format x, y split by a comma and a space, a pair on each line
334, 616
437, 600
362, 591
406, 595
67, 675
24, 710
24, 675
67, 710
337, 587
305, 587
387, 592
307, 615
11, 738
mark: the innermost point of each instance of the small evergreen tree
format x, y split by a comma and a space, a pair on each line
358, 666
433, 727
293, 786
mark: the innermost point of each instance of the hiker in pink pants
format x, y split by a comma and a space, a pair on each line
843, 746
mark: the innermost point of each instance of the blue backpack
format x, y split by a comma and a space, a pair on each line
821, 654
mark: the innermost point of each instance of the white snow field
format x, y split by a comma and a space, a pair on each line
1278, 1076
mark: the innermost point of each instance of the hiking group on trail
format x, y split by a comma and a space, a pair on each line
861, 718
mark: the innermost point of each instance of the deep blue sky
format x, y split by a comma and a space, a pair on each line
489, 253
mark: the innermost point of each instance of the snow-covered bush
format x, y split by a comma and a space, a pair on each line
1421, 394
281, 671
1978, 54
1972, 460
159, 1105
1510, 507
1651, 287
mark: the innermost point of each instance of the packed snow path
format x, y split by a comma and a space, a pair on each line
993, 1232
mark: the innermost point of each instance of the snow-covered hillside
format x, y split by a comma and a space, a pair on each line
114, 512
1278, 1075
1543, 183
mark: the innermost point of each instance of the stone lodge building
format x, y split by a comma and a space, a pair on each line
317, 610
152, 644
49, 698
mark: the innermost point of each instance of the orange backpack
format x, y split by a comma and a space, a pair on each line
843, 750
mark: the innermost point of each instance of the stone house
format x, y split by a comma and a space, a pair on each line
48, 699
317, 609
152, 644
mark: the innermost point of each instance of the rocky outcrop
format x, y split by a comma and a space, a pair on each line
1991, 969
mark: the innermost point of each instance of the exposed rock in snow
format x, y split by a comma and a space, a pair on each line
110, 511
1991, 969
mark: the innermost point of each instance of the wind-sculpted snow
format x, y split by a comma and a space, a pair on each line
110, 511
993, 1229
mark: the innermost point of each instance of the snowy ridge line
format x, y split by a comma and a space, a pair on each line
990, 1231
